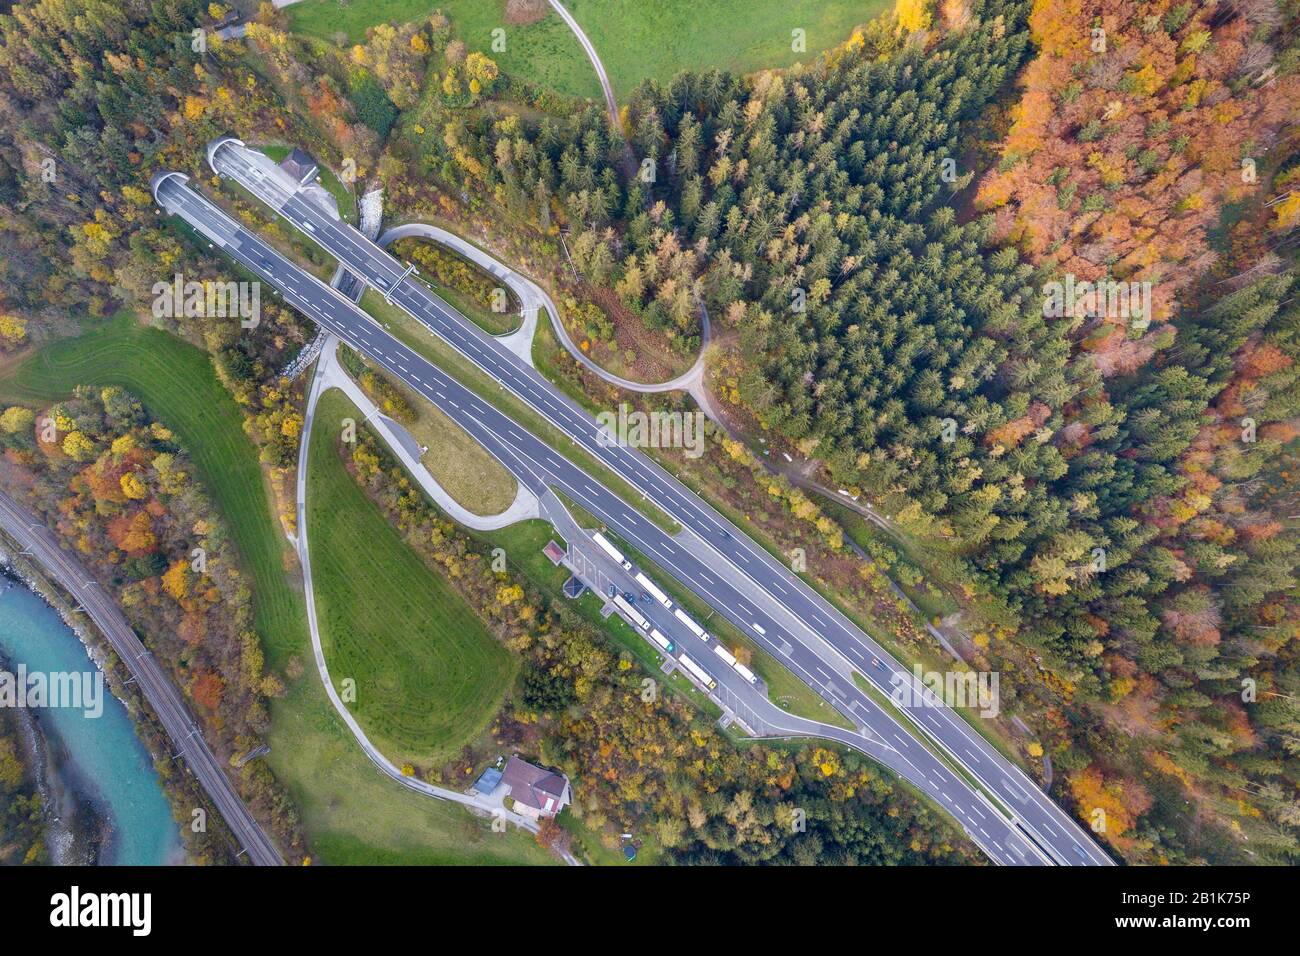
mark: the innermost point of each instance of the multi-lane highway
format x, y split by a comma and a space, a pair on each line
153, 683
711, 556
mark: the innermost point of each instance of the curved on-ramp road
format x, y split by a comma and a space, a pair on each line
534, 299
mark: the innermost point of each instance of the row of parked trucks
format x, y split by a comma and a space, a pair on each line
626, 605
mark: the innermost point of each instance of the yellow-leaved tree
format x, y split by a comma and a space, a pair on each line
13, 331
913, 15
133, 487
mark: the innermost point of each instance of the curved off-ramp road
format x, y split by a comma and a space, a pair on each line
329, 374
534, 299
321, 382
175, 717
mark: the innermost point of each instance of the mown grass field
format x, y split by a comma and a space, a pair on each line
428, 675
350, 812
178, 386
545, 53
658, 40
635, 40
353, 814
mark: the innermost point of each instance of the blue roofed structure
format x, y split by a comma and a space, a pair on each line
488, 781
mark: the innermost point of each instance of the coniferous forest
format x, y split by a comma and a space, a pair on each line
874, 233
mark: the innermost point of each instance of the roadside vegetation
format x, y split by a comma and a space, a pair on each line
417, 337
344, 197
930, 579
465, 469
789, 524
523, 543
475, 294
271, 227
581, 515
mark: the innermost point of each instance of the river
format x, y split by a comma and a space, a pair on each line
108, 800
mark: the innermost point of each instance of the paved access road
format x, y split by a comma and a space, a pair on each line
320, 383
535, 301
594, 57
711, 557
153, 683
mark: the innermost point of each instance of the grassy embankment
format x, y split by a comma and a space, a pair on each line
465, 469
351, 814
428, 674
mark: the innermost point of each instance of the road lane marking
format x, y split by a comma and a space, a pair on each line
339, 233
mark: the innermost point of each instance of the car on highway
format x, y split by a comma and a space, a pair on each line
331, 238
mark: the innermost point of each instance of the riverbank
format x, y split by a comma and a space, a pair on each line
103, 799
27, 834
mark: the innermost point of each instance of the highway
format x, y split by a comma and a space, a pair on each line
711, 557
153, 683
759, 715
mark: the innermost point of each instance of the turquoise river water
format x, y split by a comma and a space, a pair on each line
101, 759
